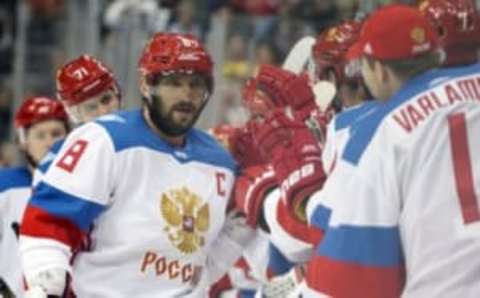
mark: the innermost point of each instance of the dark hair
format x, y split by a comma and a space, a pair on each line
408, 68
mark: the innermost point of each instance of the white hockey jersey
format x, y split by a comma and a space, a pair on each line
14, 194
293, 238
406, 222
150, 211
319, 207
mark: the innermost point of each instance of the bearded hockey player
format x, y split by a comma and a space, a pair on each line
137, 200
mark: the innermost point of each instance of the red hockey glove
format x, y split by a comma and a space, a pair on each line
243, 149
287, 89
257, 103
251, 189
295, 155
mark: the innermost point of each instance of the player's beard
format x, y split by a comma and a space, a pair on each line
165, 121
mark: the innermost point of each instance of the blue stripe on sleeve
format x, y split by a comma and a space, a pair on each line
321, 217
370, 246
277, 262
61, 204
244, 293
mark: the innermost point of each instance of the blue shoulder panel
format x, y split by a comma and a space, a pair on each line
14, 177
321, 217
128, 129
277, 262
370, 246
349, 116
64, 205
363, 130
204, 148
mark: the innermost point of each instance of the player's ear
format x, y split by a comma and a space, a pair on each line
381, 71
144, 87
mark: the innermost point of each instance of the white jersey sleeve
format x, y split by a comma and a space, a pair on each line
14, 194
287, 234
74, 191
234, 237
319, 205
338, 132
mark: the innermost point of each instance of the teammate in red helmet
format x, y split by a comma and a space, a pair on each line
87, 88
407, 175
174, 61
331, 63
134, 204
39, 122
458, 25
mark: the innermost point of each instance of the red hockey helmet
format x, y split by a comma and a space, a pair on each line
39, 108
83, 78
331, 47
167, 53
256, 102
458, 26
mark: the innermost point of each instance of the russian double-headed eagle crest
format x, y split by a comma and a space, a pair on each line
187, 218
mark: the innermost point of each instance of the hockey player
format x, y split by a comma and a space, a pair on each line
331, 63
87, 89
411, 177
329, 54
39, 122
138, 198
457, 24
273, 89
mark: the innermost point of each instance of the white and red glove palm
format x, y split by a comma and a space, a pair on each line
251, 188
243, 149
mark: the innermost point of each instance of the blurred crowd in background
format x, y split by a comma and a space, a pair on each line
38, 36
